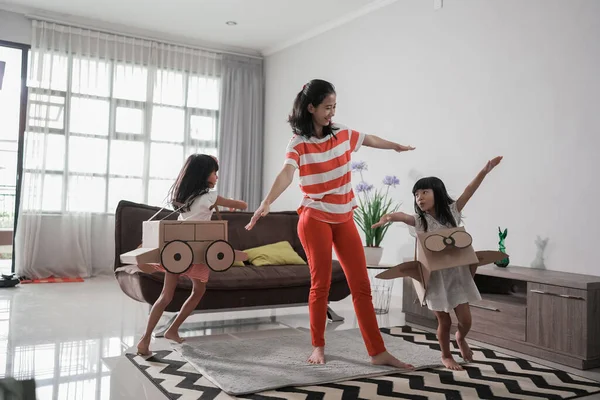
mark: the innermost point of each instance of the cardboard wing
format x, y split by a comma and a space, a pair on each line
141, 255
441, 249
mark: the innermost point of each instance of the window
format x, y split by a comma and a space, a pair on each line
114, 131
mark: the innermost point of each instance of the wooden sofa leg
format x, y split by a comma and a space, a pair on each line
333, 317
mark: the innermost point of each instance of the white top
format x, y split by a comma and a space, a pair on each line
451, 286
200, 210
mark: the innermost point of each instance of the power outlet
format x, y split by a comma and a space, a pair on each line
438, 4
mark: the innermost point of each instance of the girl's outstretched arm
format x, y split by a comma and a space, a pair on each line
230, 203
474, 185
397, 216
379, 143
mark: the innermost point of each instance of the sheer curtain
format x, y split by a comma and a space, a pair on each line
109, 117
242, 129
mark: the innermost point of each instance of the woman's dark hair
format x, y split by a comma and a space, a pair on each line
441, 200
192, 180
314, 92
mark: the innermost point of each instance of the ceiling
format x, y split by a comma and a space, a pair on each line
263, 26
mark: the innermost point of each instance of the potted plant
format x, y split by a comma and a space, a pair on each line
372, 205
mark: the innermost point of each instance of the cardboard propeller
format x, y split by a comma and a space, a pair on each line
441, 249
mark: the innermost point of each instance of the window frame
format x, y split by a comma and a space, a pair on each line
146, 106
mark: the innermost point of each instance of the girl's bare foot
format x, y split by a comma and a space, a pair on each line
317, 356
174, 336
143, 347
451, 364
386, 358
465, 351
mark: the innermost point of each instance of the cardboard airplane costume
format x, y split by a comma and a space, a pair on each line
437, 250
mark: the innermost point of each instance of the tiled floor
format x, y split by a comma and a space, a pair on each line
71, 337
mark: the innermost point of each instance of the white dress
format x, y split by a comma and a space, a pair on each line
451, 286
200, 210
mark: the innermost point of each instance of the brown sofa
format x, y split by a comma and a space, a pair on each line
238, 287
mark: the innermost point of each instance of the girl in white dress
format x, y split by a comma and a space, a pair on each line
450, 288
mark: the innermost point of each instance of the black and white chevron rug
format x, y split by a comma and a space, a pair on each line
492, 375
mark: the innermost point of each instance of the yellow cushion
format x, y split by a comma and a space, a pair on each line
280, 253
238, 264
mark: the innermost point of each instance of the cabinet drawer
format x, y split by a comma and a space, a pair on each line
504, 318
557, 318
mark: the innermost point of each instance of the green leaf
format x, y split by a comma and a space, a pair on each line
370, 210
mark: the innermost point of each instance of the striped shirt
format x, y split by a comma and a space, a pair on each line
325, 173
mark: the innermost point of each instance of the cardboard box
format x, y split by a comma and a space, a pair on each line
441, 249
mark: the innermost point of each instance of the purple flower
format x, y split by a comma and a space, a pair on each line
363, 187
391, 181
358, 166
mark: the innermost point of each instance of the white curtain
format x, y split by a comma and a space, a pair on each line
242, 129
109, 118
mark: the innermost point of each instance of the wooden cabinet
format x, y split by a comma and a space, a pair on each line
557, 318
500, 317
548, 314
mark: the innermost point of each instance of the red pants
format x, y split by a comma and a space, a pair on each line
317, 237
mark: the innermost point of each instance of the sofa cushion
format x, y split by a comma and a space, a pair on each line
272, 228
280, 253
147, 288
250, 277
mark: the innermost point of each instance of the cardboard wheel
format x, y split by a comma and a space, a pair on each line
219, 256
176, 257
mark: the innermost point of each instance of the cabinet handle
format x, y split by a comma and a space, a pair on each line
485, 308
568, 296
565, 296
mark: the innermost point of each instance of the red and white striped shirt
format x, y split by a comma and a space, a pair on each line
325, 173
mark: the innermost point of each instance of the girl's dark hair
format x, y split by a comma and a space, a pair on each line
192, 180
314, 92
441, 200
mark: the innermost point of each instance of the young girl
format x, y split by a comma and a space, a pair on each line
192, 195
321, 151
451, 288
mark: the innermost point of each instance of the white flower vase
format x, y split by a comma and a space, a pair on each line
373, 255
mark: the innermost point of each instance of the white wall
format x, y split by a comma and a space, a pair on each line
14, 27
463, 84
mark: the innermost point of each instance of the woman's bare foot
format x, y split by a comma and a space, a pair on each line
465, 351
386, 358
174, 336
451, 364
143, 347
317, 356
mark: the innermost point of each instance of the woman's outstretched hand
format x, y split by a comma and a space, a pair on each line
400, 148
260, 212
